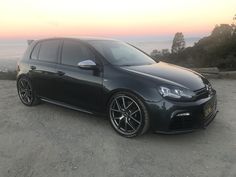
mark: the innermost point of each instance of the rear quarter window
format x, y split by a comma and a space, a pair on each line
35, 52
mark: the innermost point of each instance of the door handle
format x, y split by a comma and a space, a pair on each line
33, 67
60, 73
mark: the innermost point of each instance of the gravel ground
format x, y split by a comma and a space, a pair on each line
48, 141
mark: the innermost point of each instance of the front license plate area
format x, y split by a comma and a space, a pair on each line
209, 107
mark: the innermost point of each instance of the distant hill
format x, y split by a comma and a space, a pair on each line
149, 46
216, 50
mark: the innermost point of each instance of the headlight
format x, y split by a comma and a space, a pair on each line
176, 93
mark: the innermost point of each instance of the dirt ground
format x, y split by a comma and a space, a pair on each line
48, 141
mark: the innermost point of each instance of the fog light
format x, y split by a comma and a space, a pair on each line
183, 114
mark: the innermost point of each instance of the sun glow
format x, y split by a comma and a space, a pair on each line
27, 18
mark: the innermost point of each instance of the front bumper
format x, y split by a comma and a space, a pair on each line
171, 117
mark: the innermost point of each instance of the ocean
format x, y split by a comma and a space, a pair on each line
11, 51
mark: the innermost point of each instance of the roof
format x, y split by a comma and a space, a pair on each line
83, 38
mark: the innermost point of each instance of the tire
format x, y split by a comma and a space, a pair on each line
26, 92
128, 115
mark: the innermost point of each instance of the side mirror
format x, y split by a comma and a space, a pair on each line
87, 64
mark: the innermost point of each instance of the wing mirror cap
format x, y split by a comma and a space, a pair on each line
87, 64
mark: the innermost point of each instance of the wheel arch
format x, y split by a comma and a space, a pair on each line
21, 75
122, 90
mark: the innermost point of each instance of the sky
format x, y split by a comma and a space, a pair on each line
24, 19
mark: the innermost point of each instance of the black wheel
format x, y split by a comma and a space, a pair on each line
26, 92
128, 115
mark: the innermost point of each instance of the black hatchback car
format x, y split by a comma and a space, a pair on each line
111, 77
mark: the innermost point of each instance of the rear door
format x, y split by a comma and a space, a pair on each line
43, 63
79, 87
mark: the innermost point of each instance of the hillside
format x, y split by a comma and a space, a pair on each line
216, 50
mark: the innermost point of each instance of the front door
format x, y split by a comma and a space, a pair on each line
76, 86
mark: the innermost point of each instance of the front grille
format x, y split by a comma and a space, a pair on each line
201, 93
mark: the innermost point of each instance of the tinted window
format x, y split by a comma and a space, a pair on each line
73, 52
34, 54
49, 50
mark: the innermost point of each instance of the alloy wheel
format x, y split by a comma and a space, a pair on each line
125, 115
25, 91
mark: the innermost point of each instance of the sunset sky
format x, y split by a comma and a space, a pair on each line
20, 19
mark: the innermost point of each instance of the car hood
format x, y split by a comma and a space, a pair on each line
170, 74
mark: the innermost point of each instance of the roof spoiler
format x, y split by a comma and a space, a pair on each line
29, 41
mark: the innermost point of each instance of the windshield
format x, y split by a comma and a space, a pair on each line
121, 54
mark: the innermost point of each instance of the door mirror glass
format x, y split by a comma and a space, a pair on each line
87, 64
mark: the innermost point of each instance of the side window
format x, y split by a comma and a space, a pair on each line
73, 52
35, 53
49, 51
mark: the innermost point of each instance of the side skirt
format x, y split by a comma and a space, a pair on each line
65, 105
